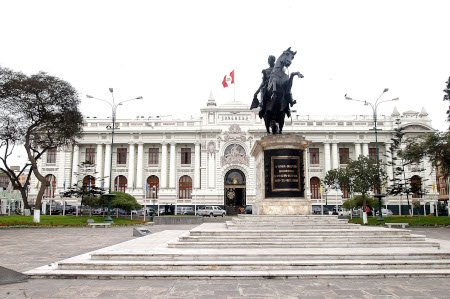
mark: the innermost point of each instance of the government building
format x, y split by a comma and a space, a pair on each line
207, 160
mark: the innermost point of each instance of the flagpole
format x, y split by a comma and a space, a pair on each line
234, 86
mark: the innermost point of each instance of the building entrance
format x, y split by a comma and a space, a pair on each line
234, 192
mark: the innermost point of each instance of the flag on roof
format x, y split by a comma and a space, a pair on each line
228, 79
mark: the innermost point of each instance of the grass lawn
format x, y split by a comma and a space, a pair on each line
412, 221
58, 220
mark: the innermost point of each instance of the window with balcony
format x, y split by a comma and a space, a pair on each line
90, 155
153, 156
185, 156
314, 156
344, 155
122, 156
51, 155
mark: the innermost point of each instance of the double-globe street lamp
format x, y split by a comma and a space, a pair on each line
113, 127
374, 105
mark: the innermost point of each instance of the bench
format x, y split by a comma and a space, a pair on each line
106, 224
402, 224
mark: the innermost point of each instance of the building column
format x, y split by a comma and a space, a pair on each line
389, 169
172, 166
357, 150
107, 172
75, 161
99, 163
163, 180
139, 166
131, 167
334, 156
307, 194
197, 166
365, 149
326, 147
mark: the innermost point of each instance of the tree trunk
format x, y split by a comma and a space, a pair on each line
23, 193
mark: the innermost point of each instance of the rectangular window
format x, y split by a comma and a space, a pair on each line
185, 156
344, 155
90, 155
314, 156
153, 156
121, 156
51, 155
373, 153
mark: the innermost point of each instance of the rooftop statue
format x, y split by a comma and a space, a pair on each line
275, 88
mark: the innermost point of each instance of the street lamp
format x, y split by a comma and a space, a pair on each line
113, 106
374, 107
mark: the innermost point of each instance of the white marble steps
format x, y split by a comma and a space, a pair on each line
257, 265
286, 254
118, 274
212, 250
299, 244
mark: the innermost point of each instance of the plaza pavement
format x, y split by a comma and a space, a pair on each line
26, 249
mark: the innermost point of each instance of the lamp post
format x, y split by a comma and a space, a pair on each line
374, 105
113, 106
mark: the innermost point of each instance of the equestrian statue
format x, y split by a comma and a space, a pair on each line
275, 89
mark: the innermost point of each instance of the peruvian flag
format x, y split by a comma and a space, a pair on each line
228, 79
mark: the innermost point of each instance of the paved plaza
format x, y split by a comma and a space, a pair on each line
26, 249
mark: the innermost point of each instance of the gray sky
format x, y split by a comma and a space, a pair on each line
175, 52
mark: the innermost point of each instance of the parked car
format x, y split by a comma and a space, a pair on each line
185, 211
211, 211
344, 212
384, 212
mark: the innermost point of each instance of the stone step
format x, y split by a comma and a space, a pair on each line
289, 226
117, 274
254, 255
324, 232
306, 244
253, 265
303, 238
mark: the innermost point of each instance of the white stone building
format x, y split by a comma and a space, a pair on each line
207, 160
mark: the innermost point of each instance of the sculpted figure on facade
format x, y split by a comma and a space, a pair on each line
234, 154
234, 134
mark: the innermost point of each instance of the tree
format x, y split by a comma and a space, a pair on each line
125, 201
338, 177
447, 97
39, 112
90, 194
435, 146
357, 201
365, 175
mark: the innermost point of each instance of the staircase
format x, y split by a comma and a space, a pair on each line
251, 246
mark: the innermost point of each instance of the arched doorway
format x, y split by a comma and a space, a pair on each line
120, 183
416, 186
89, 181
185, 187
152, 186
234, 190
314, 185
50, 189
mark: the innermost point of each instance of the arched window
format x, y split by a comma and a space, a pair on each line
89, 181
185, 187
120, 183
314, 184
416, 186
152, 186
51, 186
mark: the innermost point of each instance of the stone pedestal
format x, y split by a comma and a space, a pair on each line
280, 166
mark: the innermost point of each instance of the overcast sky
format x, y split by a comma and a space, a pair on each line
173, 53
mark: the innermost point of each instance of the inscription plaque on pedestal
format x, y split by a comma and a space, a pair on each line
283, 170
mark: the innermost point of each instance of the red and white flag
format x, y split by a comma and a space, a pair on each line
228, 79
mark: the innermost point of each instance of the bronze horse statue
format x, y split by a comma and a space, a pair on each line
276, 96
